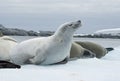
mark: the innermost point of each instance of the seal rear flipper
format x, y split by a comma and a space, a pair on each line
109, 49
6, 64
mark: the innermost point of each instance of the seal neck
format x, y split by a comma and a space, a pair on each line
64, 36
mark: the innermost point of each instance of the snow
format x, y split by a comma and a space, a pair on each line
104, 69
114, 31
113, 55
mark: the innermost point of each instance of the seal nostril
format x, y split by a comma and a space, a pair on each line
79, 21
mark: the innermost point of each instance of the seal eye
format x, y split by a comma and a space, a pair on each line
70, 24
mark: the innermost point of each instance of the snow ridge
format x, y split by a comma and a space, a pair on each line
114, 31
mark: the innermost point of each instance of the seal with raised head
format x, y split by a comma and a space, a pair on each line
46, 50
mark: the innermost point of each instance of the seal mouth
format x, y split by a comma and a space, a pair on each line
79, 21
77, 24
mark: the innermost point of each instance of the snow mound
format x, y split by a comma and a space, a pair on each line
114, 31
113, 55
105, 69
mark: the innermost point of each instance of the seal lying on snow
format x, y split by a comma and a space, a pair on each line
46, 50
78, 51
6, 44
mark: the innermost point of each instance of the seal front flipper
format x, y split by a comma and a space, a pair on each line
38, 59
62, 62
6, 64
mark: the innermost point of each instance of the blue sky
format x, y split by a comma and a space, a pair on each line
49, 14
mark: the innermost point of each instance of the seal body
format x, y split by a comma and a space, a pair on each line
46, 50
6, 44
77, 51
93, 47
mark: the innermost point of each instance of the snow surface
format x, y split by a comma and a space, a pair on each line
105, 69
114, 31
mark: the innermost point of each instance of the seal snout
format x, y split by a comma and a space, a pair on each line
79, 21
77, 24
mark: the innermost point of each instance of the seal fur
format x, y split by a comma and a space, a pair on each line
95, 48
46, 50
